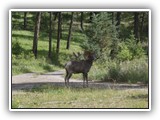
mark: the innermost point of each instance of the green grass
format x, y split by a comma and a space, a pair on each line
24, 61
48, 96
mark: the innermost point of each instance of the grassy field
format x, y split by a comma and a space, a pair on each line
24, 62
49, 96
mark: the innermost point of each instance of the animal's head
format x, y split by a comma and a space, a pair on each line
88, 55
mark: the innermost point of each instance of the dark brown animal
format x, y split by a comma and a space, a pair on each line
82, 66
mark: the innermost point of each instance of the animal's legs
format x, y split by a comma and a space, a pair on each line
86, 75
69, 76
66, 77
84, 79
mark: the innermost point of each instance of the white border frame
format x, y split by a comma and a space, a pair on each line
77, 10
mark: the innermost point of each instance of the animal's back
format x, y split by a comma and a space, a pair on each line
77, 66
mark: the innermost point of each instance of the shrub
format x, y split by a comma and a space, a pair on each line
129, 71
97, 73
124, 53
135, 71
113, 71
16, 48
130, 49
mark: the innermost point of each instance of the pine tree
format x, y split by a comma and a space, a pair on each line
101, 35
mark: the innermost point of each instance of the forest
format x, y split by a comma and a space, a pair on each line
44, 41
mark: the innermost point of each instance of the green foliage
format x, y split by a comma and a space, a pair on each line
100, 35
97, 72
128, 71
139, 52
45, 17
113, 72
130, 49
25, 63
16, 48
134, 71
124, 53
23, 59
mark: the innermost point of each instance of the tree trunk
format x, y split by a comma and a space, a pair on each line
55, 15
69, 33
136, 22
58, 33
91, 17
141, 28
50, 36
61, 26
113, 18
82, 21
118, 19
25, 20
36, 33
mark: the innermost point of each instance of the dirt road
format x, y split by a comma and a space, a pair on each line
29, 80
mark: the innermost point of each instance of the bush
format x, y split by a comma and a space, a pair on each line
16, 48
130, 49
124, 53
135, 71
97, 73
113, 71
129, 71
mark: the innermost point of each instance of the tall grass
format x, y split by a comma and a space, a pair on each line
129, 71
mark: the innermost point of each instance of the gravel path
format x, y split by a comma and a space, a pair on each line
29, 80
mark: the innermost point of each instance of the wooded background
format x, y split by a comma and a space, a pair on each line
45, 41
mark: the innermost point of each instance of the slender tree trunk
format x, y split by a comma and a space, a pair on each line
50, 36
58, 33
36, 33
113, 18
55, 15
82, 21
114, 45
141, 28
69, 33
25, 20
118, 19
61, 27
91, 17
136, 22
